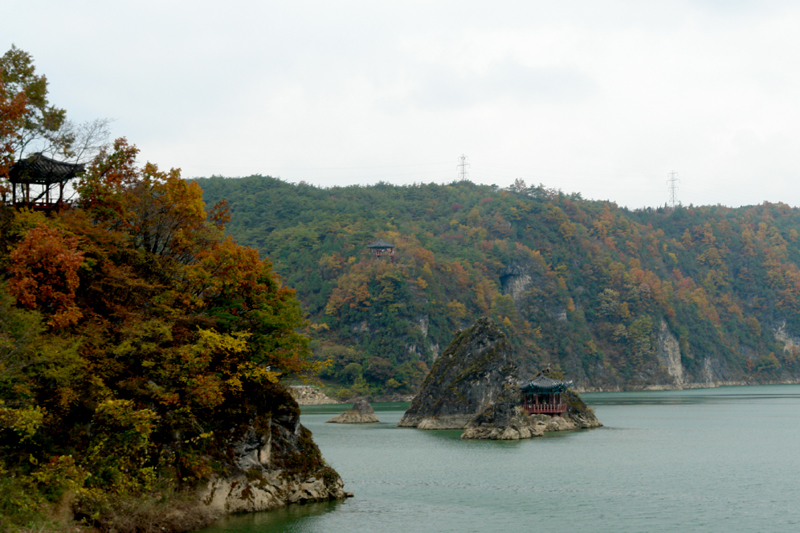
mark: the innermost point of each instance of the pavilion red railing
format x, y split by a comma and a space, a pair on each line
545, 408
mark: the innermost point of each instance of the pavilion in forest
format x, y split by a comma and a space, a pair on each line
544, 395
382, 248
38, 182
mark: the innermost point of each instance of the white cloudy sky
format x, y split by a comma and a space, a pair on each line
599, 97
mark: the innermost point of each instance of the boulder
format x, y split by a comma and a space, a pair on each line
361, 413
464, 379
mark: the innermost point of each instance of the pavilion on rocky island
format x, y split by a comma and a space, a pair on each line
544, 395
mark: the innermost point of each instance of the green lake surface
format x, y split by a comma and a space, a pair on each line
724, 459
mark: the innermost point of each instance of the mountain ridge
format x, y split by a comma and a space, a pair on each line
618, 299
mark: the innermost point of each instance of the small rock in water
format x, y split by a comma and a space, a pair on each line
361, 413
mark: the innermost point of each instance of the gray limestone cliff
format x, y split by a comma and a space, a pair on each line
360, 413
463, 380
669, 354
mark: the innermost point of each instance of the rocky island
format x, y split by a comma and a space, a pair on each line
475, 385
360, 413
463, 380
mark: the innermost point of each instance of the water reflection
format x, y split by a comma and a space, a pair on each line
271, 520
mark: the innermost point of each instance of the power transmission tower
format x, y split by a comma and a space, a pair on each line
462, 172
672, 183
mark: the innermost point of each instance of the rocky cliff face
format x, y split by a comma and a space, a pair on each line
669, 354
276, 463
463, 380
516, 278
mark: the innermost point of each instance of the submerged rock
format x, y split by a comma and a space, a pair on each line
464, 380
360, 413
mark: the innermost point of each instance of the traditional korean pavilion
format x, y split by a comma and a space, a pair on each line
544, 395
382, 248
38, 181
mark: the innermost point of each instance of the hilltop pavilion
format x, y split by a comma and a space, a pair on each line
38, 182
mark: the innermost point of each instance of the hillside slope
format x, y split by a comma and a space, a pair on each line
615, 298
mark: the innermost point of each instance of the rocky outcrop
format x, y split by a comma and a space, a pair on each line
516, 278
669, 354
360, 413
474, 385
790, 344
504, 419
578, 413
274, 464
463, 380
267, 490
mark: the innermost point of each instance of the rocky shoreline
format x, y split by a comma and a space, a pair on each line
311, 395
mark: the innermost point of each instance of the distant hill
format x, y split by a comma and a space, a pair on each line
614, 298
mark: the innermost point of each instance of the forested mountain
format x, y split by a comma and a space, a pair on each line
614, 297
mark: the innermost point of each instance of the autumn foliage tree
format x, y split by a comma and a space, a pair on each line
44, 273
157, 339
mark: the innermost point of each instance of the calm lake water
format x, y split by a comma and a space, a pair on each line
725, 459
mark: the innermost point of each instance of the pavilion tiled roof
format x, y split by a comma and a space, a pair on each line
40, 169
380, 243
543, 383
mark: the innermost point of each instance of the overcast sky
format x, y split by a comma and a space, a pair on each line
605, 98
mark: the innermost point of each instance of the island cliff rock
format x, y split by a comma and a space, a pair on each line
360, 413
464, 380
